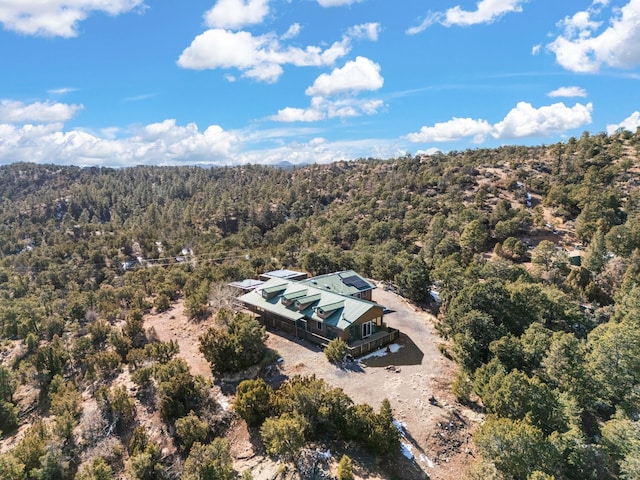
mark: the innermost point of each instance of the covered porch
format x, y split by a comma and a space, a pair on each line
373, 342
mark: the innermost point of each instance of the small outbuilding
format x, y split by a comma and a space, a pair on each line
284, 274
575, 257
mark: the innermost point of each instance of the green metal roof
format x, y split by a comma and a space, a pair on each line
274, 287
310, 298
330, 307
346, 282
347, 309
252, 298
293, 295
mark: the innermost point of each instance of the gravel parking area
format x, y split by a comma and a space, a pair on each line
411, 376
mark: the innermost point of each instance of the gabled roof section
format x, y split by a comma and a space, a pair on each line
274, 287
330, 307
309, 303
293, 294
327, 309
347, 282
271, 302
304, 302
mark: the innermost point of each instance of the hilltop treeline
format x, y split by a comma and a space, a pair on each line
547, 338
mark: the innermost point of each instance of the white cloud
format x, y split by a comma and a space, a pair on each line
139, 98
355, 76
293, 31
367, 31
290, 114
487, 11
322, 108
348, 107
580, 49
236, 13
526, 121
57, 18
219, 48
262, 57
580, 24
568, 92
61, 91
12, 111
336, 3
167, 143
162, 143
429, 151
454, 129
522, 121
318, 141
430, 19
631, 123
319, 150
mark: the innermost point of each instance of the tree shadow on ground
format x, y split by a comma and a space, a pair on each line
407, 354
273, 375
350, 365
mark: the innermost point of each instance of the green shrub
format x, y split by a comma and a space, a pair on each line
162, 303
284, 436
253, 401
139, 441
190, 429
337, 350
375, 431
236, 347
462, 387
209, 462
146, 465
442, 348
179, 392
345, 468
98, 469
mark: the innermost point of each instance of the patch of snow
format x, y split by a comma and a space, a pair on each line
224, 403
323, 455
425, 459
401, 427
407, 450
393, 348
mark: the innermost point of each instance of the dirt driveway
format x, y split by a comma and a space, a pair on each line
438, 436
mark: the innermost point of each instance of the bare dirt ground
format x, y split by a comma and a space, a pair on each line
174, 325
437, 435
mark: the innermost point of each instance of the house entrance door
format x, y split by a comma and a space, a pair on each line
366, 329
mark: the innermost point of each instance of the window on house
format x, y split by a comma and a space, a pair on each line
319, 326
366, 329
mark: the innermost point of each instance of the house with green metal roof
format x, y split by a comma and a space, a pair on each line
320, 311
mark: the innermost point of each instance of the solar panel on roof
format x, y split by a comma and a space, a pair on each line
356, 281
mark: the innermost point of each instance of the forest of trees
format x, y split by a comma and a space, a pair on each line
548, 349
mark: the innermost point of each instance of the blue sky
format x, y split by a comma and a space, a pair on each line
225, 82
